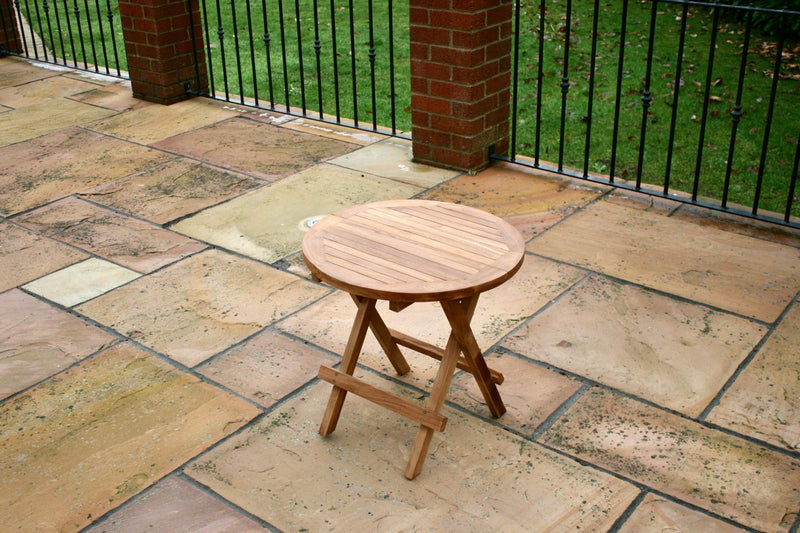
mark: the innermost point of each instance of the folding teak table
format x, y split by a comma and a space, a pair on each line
409, 251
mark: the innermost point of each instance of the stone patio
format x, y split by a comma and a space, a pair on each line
160, 337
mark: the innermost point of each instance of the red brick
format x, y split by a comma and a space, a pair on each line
420, 51
475, 109
420, 85
181, 21
433, 105
456, 20
420, 118
461, 160
422, 152
498, 49
498, 116
466, 144
456, 56
473, 5
130, 9
456, 126
498, 14
135, 36
431, 137
472, 75
498, 83
418, 16
430, 70
425, 34
456, 91
475, 39
435, 4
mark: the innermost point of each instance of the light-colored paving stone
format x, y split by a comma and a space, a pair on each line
764, 401
657, 514
81, 281
176, 506
41, 91
201, 305
116, 96
267, 367
130, 242
477, 476
25, 255
46, 117
261, 150
737, 224
153, 123
529, 200
77, 446
270, 223
334, 131
391, 158
37, 341
727, 475
734, 272
17, 72
59, 164
295, 263
640, 342
530, 393
328, 322
172, 190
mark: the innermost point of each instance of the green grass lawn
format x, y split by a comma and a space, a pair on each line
239, 77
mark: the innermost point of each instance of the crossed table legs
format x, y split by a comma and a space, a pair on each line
459, 314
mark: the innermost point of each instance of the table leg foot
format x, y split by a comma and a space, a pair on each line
419, 452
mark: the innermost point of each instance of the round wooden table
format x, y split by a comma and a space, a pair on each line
408, 251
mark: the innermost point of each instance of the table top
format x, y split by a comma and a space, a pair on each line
413, 250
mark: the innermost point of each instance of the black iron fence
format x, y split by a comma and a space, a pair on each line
325, 60
681, 99
83, 34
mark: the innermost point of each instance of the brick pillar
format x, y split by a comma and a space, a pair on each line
158, 42
460, 80
9, 31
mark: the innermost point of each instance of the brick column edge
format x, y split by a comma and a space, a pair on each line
10, 40
460, 81
163, 54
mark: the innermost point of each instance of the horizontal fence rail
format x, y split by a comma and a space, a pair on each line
82, 34
343, 62
694, 101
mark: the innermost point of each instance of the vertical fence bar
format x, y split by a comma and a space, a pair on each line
706, 95
77, 11
46, 8
371, 56
91, 34
41, 29
21, 28
209, 57
736, 112
60, 33
353, 64
391, 67
768, 126
221, 35
103, 35
618, 101
646, 98
592, 64
676, 91
300, 56
30, 26
564, 87
793, 183
267, 40
537, 140
317, 50
237, 51
252, 52
110, 17
335, 62
515, 84
71, 37
283, 54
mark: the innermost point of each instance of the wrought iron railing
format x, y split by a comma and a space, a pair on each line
681, 99
84, 34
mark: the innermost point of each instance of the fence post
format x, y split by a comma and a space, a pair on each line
10, 40
162, 54
460, 80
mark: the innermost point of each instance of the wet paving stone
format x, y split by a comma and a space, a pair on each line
46, 117
116, 96
659, 514
171, 190
25, 255
270, 223
527, 199
85, 441
640, 342
124, 240
41, 91
267, 367
56, 165
737, 224
258, 149
327, 323
202, 305
753, 277
476, 477
80, 282
732, 477
764, 401
38, 340
17, 72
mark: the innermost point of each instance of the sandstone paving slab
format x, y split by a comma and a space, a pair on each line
171, 190
47, 117
25, 255
640, 342
270, 223
127, 241
658, 514
85, 441
41, 91
255, 148
17, 72
476, 476
530, 393
737, 224
37, 341
764, 401
527, 199
327, 323
178, 506
3, 109
82, 281
727, 475
116, 96
296, 264
149, 124
267, 367
334, 131
56, 165
391, 158
202, 305
737, 273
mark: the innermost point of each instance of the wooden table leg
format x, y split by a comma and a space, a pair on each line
438, 394
349, 359
385, 339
